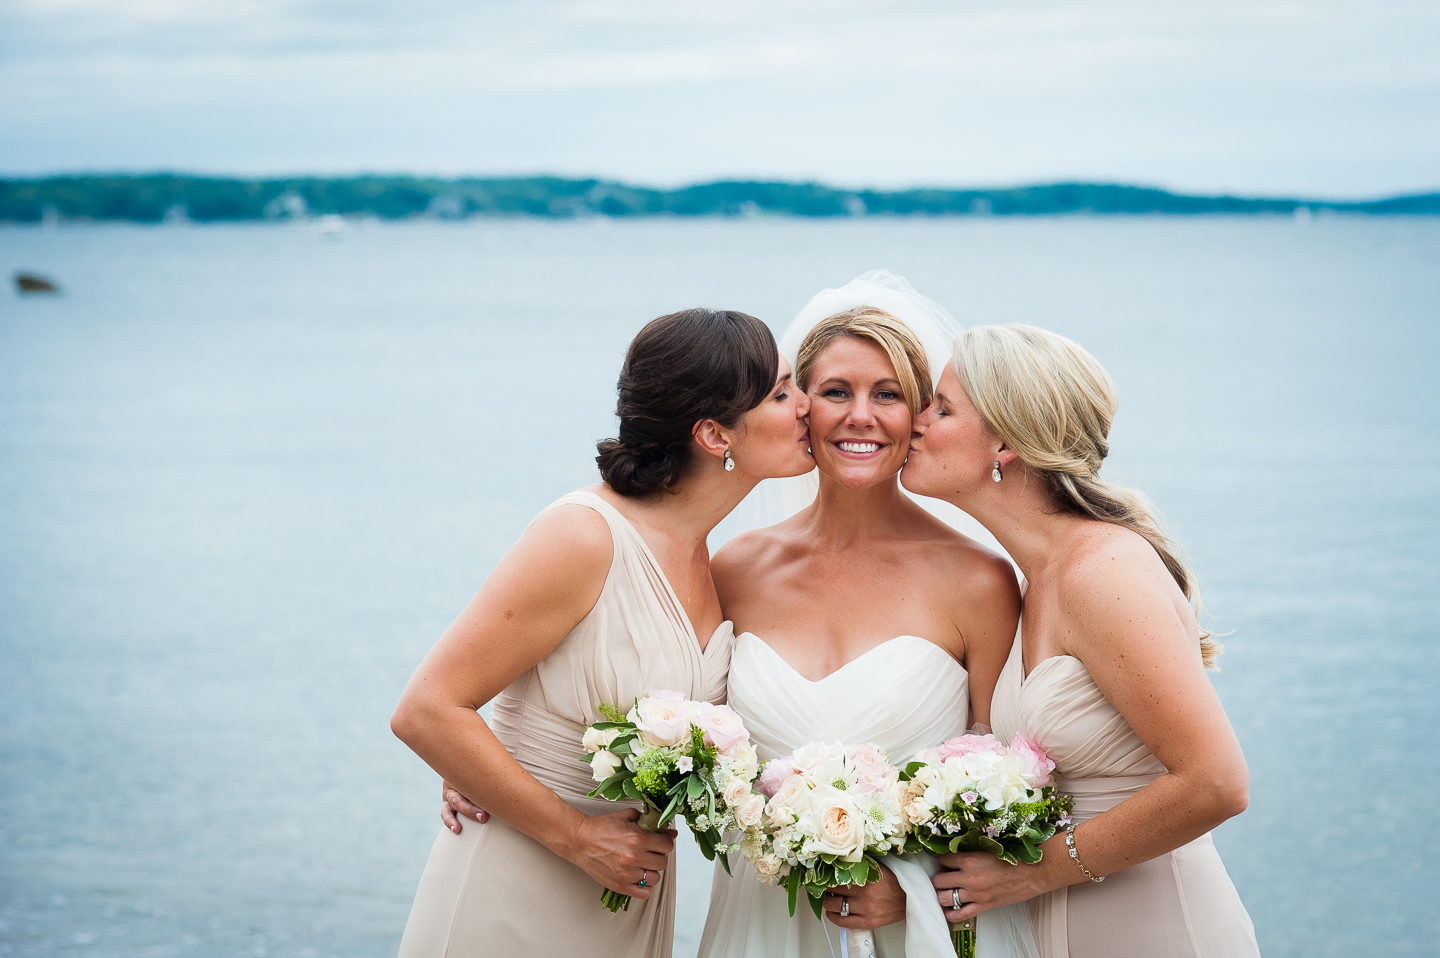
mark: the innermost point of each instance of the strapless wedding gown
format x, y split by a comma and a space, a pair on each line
1180, 905
903, 695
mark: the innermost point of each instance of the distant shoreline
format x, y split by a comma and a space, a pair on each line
161, 197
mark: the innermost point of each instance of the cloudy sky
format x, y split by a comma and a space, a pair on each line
1317, 98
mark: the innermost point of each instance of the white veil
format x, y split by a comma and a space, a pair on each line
775, 500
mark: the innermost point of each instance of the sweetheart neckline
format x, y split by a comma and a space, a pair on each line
825, 678
1025, 679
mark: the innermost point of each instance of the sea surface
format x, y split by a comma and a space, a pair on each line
248, 474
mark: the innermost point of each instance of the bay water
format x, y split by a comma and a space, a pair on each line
248, 473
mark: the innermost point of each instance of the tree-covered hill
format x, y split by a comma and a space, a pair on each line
152, 198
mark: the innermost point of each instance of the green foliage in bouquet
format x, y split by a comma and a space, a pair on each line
1011, 834
825, 874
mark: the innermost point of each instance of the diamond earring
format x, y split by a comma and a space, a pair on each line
729, 463
995, 473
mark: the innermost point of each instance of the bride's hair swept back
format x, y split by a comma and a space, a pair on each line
680, 369
1053, 404
898, 341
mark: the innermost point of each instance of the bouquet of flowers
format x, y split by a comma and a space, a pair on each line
685, 759
830, 809
972, 794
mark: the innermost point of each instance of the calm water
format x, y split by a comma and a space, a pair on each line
247, 474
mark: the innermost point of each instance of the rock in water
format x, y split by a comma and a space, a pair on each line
35, 283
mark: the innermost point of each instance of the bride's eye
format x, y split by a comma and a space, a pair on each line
834, 392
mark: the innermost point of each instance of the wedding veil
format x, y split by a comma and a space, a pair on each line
775, 500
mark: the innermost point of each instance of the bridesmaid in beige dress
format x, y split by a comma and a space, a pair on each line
606, 596
1107, 668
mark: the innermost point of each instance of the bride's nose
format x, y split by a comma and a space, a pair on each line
862, 413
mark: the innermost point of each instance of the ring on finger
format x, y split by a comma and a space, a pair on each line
844, 908
644, 875
955, 897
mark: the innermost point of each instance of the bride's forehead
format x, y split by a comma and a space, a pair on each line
852, 355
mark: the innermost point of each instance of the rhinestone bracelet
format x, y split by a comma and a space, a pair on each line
1075, 854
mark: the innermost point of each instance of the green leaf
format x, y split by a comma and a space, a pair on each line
694, 786
633, 790
817, 900
792, 884
669, 811
725, 864
908, 772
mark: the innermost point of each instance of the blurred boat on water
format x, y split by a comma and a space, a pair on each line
29, 283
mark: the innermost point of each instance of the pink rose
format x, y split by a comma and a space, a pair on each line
875, 772
722, 726
969, 745
1033, 760
774, 775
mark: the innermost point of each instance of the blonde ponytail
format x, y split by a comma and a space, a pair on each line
1053, 403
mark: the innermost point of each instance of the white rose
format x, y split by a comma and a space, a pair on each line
767, 868
735, 792
604, 764
792, 798
595, 739
662, 721
748, 812
807, 758
839, 825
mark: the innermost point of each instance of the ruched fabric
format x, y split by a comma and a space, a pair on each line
1180, 905
903, 695
493, 891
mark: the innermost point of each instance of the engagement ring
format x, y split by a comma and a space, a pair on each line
955, 896
844, 907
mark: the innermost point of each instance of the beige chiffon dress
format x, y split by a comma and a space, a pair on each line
493, 891
1180, 905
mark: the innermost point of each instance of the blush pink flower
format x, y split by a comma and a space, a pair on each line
875, 771
1033, 760
969, 745
722, 726
774, 775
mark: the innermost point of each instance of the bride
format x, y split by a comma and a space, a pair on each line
862, 617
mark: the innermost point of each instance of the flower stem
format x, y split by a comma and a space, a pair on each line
962, 933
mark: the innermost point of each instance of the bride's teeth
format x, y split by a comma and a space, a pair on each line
860, 446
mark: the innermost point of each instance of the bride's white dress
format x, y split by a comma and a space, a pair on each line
903, 695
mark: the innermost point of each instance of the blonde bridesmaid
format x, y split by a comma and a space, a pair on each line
606, 596
1107, 671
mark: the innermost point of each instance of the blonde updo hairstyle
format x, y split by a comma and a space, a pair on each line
900, 344
1053, 403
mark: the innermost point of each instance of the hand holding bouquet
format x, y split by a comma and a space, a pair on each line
972, 794
830, 811
690, 760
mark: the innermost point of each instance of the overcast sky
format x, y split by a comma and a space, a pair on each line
1317, 98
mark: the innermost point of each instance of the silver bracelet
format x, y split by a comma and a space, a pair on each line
1075, 854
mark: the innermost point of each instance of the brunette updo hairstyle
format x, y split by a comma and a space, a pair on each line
692, 365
